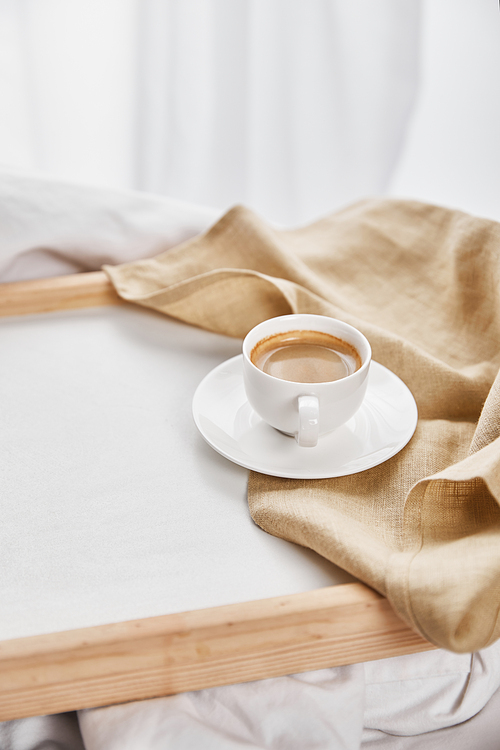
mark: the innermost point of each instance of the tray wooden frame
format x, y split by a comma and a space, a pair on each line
158, 656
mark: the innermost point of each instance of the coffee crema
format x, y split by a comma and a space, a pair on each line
306, 357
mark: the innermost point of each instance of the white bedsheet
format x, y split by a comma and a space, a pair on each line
48, 228
345, 708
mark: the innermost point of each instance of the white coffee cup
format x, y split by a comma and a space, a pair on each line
305, 410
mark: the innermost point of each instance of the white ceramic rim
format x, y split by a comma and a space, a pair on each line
305, 317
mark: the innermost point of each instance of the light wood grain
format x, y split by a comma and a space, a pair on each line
60, 293
235, 643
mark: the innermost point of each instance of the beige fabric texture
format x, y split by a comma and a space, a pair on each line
423, 284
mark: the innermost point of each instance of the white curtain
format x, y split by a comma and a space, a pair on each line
291, 107
67, 88
294, 107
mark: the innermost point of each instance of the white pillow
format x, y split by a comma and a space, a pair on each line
48, 228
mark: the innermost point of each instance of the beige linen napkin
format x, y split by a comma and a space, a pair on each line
423, 284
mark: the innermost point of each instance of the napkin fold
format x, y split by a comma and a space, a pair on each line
422, 283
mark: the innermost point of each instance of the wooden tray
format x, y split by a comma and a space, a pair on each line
161, 655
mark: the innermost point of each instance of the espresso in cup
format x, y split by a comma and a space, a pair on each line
304, 356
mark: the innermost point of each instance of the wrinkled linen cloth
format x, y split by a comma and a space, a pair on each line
421, 700
421, 282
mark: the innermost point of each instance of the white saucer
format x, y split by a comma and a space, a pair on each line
381, 428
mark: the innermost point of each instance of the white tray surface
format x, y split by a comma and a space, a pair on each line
113, 507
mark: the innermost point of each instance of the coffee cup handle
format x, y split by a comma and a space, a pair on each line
307, 435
